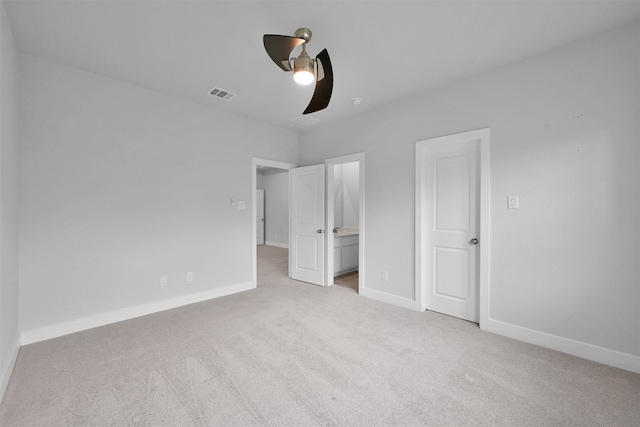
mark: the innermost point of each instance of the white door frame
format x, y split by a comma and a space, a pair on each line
255, 162
260, 191
330, 163
483, 137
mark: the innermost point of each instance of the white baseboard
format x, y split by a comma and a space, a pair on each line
388, 298
89, 322
581, 349
277, 245
6, 375
617, 359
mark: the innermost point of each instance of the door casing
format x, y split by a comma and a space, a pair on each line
260, 225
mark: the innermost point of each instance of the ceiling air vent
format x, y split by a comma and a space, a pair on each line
222, 94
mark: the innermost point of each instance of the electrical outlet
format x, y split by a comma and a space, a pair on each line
190, 276
385, 275
163, 281
513, 202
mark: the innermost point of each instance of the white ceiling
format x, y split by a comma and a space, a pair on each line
381, 51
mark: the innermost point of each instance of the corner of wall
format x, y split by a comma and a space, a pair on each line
9, 337
6, 374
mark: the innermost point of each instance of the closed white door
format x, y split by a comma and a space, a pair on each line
306, 246
260, 216
452, 225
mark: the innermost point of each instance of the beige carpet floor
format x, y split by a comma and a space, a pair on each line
293, 354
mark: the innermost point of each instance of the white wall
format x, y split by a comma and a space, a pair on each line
351, 194
276, 207
121, 185
9, 338
346, 194
565, 138
338, 196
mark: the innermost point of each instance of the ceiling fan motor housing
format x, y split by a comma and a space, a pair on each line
303, 63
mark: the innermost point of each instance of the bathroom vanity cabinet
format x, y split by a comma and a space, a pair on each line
345, 253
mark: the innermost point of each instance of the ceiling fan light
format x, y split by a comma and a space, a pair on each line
303, 77
303, 69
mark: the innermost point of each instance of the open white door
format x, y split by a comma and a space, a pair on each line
306, 239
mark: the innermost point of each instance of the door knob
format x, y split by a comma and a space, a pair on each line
473, 241
320, 231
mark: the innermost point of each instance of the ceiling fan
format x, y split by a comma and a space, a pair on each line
305, 69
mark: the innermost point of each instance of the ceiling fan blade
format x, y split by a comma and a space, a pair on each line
324, 86
279, 48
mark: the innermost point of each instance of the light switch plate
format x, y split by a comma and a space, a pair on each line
513, 202
242, 204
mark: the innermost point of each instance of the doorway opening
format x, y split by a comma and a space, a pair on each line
321, 256
270, 207
345, 221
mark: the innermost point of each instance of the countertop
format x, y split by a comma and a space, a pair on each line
346, 231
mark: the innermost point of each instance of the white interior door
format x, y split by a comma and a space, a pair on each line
259, 216
452, 207
307, 237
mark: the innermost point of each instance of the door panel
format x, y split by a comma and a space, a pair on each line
451, 218
452, 273
307, 189
306, 252
452, 193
